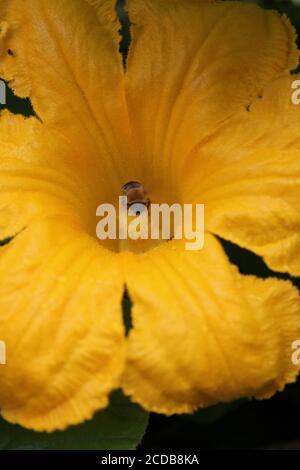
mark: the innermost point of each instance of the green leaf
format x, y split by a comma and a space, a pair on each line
17, 105
120, 427
212, 414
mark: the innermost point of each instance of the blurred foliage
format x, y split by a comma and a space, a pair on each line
120, 426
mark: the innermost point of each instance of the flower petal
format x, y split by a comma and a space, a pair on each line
202, 333
60, 317
41, 175
248, 176
64, 57
192, 65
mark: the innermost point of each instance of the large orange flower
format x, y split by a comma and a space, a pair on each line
202, 113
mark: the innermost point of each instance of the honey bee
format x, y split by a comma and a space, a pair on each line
135, 193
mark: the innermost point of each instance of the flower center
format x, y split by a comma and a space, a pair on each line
137, 221
136, 194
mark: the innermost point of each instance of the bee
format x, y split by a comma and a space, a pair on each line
136, 194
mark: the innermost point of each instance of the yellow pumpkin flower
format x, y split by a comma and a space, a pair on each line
201, 113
